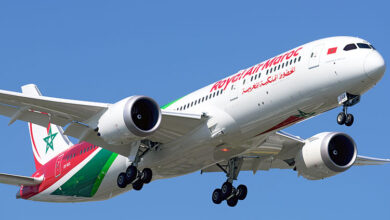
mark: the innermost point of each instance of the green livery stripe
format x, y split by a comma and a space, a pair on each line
169, 104
102, 173
87, 180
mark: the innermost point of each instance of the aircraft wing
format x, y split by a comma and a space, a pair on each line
40, 110
19, 180
278, 151
20, 106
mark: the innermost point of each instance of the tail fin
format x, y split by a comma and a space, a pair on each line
46, 142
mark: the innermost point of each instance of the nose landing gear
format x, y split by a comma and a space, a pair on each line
228, 192
348, 100
345, 118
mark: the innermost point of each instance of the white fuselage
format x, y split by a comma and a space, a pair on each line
250, 107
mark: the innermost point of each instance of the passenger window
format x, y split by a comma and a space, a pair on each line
282, 65
363, 46
350, 47
243, 83
202, 99
278, 66
210, 96
222, 89
266, 73
217, 93
291, 62
295, 60
213, 94
270, 71
299, 58
251, 78
192, 103
255, 77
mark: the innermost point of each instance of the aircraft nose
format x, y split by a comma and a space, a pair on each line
374, 66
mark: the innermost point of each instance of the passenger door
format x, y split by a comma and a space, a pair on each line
314, 60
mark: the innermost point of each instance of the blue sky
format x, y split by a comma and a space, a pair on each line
105, 51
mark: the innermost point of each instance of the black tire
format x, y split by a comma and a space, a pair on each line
341, 117
242, 191
232, 201
137, 185
146, 175
349, 120
121, 181
226, 189
217, 196
131, 174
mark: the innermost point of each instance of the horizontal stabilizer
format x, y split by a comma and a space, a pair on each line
19, 180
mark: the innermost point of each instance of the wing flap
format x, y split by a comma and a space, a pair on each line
19, 180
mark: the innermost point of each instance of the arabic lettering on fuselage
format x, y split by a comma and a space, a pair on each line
269, 80
222, 84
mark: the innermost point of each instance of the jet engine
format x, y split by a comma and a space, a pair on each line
325, 155
130, 119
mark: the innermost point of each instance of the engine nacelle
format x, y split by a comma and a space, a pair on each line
130, 119
325, 155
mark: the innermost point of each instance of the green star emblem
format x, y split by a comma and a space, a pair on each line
49, 140
304, 114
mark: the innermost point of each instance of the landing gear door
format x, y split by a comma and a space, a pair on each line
314, 60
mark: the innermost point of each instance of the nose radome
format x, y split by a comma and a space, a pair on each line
374, 66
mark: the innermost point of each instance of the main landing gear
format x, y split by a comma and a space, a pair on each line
344, 118
228, 192
133, 175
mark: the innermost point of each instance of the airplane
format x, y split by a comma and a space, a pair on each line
232, 125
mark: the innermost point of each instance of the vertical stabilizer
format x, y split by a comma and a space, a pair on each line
47, 142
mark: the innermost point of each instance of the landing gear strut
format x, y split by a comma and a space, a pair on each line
344, 117
228, 192
133, 175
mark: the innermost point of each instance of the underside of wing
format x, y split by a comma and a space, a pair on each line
19, 180
173, 126
40, 109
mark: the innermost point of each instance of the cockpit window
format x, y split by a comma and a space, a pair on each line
372, 47
350, 47
364, 46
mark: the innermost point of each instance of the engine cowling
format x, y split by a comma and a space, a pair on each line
325, 155
130, 119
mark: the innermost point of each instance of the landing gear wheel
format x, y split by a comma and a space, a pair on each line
226, 189
137, 185
232, 201
131, 174
146, 175
121, 181
349, 120
341, 118
242, 191
217, 196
